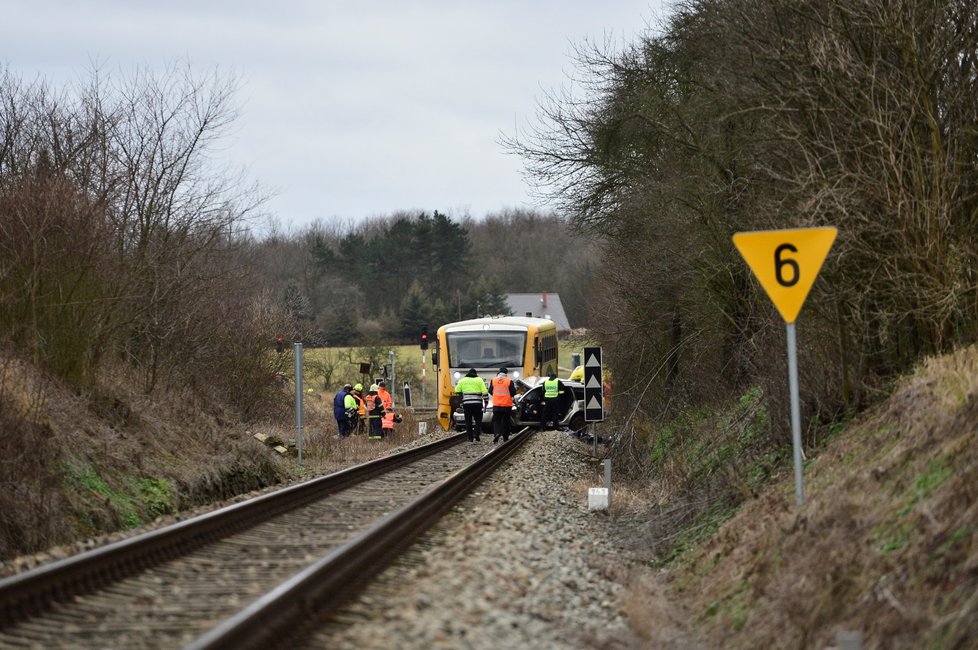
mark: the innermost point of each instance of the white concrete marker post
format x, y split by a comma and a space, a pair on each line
600, 498
597, 498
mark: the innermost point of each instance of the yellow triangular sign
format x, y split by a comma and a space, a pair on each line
786, 263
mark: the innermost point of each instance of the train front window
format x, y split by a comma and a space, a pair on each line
490, 349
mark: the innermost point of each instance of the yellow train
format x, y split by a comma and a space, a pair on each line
526, 346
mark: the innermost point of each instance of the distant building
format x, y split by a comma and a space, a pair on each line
539, 305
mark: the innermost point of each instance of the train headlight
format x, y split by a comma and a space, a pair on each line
457, 374
516, 374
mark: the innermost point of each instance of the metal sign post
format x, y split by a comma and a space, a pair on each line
786, 263
298, 399
593, 391
423, 379
795, 415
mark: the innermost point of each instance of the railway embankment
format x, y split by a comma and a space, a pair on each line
884, 547
82, 468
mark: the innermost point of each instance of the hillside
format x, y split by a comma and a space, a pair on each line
78, 463
885, 545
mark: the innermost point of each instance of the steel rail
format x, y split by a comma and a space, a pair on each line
275, 619
26, 594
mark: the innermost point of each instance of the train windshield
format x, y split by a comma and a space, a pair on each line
486, 349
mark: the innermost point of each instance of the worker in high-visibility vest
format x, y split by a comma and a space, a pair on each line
552, 390
387, 422
502, 389
375, 411
472, 388
385, 396
361, 408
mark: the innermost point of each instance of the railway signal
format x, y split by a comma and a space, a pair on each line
280, 345
593, 385
424, 337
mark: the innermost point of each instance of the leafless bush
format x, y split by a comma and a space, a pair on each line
121, 236
53, 244
30, 475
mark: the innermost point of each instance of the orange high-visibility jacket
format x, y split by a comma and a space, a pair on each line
500, 391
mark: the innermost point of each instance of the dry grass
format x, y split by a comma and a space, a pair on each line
27, 475
886, 543
77, 464
655, 620
323, 451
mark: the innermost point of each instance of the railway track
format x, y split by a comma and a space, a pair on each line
251, 574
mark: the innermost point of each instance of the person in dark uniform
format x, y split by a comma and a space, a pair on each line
339, 410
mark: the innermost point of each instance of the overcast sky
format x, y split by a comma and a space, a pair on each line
348, 109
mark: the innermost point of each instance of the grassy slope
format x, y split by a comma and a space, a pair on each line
82, 463
886, 543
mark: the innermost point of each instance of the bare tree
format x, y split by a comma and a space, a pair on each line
112, 197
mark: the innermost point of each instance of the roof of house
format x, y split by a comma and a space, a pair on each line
539, 305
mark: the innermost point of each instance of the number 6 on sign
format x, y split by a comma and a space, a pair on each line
786, 263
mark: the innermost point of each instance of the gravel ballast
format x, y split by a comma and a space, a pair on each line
516, 565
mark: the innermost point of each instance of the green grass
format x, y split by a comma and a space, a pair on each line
145, 497
157, 495
894, 535
924, 484
733, 605
736, 439
697, 532
962, 533
892, 538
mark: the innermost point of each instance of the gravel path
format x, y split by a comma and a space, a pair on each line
516, 565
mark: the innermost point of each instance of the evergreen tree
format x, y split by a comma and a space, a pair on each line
339, 328
414, 312
484, 298
296, 303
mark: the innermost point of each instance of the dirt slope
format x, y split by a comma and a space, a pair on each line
886, 544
